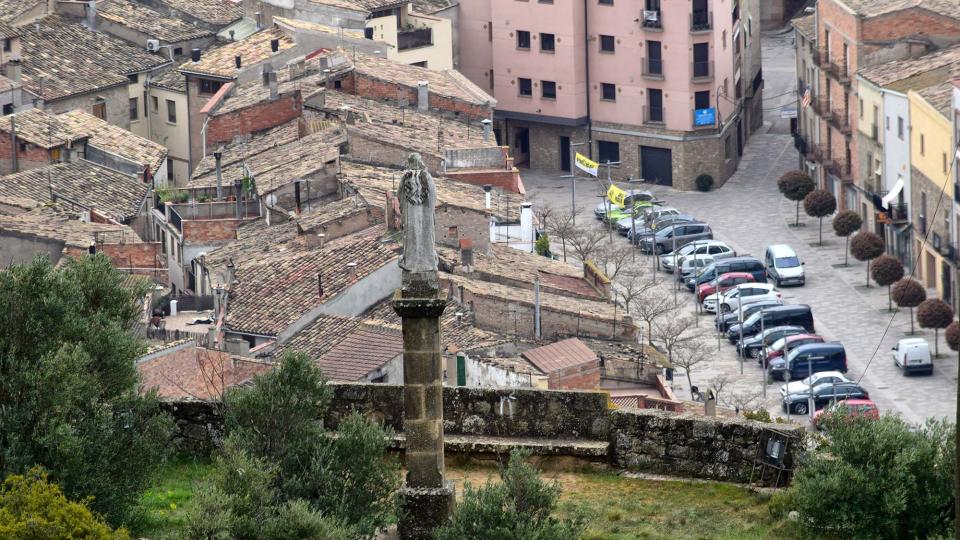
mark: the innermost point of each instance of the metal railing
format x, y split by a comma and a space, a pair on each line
412, 39
838, 72
653, 68
701, 21
841, 120
821, 106
653, 23
653, 115
702, 71
821, 58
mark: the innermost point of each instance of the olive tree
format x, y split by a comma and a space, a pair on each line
795, 186
935, 313
909, 293
886, 271
866, 246
820, 204
845, 223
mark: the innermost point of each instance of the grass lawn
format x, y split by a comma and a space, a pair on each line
618, 507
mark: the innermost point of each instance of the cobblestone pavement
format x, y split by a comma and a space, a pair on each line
749, 214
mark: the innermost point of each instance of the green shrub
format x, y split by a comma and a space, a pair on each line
760, 415
520, 506
542, 245
704, 182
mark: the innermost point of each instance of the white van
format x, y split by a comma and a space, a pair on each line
783, 266
912, 355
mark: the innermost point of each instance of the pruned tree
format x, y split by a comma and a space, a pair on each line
886, 271
845, 223
687, 356
909, 293
674, 333
743, 400
866, 246
585, 242
611, 258
651, 305
820, 204
560, 224
545, 211
953, 336
795, 186
632, 282
934, 313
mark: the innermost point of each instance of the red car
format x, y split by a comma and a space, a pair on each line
724, 283
857, 407
776, 349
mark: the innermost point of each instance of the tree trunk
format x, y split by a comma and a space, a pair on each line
889, 299
868, 273
911, 321
650, 332
821, 232
846, 250
563, 241
797, 224
689, 382
936, 343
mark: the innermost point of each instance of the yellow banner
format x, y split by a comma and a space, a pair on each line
616, 195
586, 164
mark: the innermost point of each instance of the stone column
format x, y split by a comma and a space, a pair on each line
427, 498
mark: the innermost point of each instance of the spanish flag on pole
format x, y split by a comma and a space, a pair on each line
586, 164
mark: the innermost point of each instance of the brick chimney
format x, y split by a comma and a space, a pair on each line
320, 284
351, 272
14, 70
270, 80
487, 203
423, 96
486, 129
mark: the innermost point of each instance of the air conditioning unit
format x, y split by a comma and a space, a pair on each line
153, 45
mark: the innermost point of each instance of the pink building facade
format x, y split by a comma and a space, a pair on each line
671, 89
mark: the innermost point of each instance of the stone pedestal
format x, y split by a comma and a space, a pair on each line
427, 497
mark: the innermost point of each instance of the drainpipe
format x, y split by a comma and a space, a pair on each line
218, 155
586, 58
13, 143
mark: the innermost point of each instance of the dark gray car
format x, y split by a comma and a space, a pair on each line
675, 236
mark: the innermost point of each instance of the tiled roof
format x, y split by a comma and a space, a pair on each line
10, 10
220, 62
107, 191
361, 5
117, 140
447, 83
234, 152
384, 121
55, 224
873, 8
147, 21
45, 130
298, 24
171, 79
940, 97
374, 182
255, 92
63, 59
430, 7
319, 336
455, 334
194, 373
278, 286
215, 12
7, 85
363, 350
806, 25
560, 355
7, 31
890, 72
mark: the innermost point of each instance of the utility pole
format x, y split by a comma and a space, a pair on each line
607, 164
740, 316
573, 180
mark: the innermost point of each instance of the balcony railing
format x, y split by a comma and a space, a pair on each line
821, 58
841, 121
413, 39
651, 20
701, 21
653, 115
821, 106
653, 68
838, 72
702, 71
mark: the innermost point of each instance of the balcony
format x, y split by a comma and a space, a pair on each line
821, 58
875, 133
821, 106
841, 121
653, 115
701, 22
899, 212
702, 72
653, 69
839, 72
651, 20
414, 38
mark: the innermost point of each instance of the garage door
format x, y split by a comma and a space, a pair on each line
656, 165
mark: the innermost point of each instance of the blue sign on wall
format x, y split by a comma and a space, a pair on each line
705, 117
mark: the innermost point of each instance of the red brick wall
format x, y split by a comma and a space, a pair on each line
210, 230
263, 115
31, 159
370, 87
508, 180
582, 377
140, 255
910, 22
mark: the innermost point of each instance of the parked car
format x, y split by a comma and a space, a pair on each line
619, 213
726, 319
653, 212
811, 358
721, 284
646, 231
825, 377
783, 265
863, 408
743, 294
752, 346
799, 403
674, 236
691, 264
732, 264
912, 355
633, 196
714, 248
786, 344
792, 315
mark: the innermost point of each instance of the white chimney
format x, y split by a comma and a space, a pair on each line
486, 129
486, 196
526, 224
13, 69
423, 96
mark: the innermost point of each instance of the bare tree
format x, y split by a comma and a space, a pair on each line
652, 304
687, 356
585, 242
560, 224
611, 258
545, 211
743, 400
674, 333
632, 282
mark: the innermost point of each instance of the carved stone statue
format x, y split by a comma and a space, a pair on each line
418, 199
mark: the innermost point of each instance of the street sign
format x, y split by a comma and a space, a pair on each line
788, 112
705, 117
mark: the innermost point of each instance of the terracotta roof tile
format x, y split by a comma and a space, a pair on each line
940, 97
55, 224
7, 31
873, 8
11, 10
148, 21
560, 355
215, 12
890, 72
447, 83
363, 350
455, 334
299, 24
806, 25
430, 7
219, 62
361, 5
116, 140
109, 192
234, 152
45, 130
193, 373
171, 79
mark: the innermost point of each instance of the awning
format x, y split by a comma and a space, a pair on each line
894, 193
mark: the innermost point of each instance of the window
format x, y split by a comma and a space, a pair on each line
607, 44
526, 87
701, 100
654, 59
7, 44
133, 78
178, 51
100, 109
368, 32
605, 2
523, 39
900, 127
134, 108
608, 151
422, 64
171, 111
156, 104
608, 91
491, 79
547, 42
8, 109
861, 108
169, 169
489, 30
701, 59
545, 1
209, 87
923, 145
548, 89
655, 105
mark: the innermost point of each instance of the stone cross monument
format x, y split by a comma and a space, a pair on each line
427, 496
